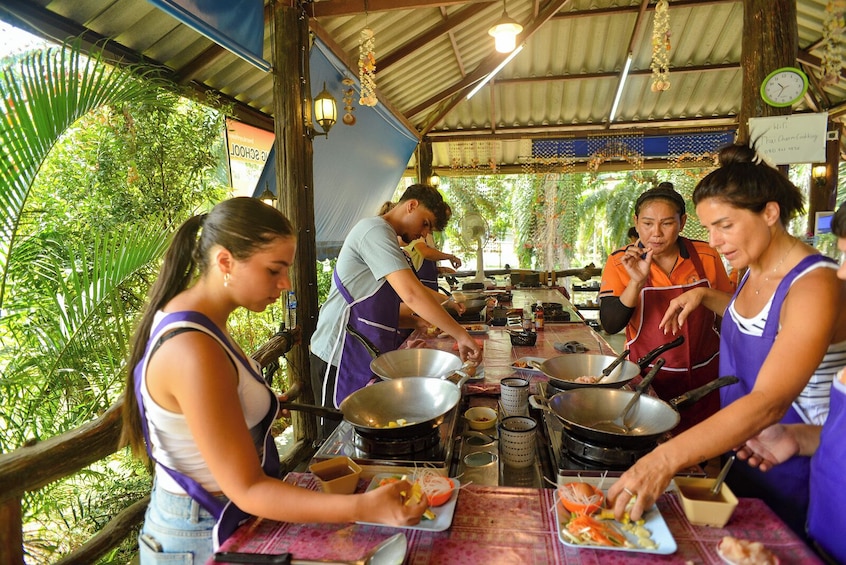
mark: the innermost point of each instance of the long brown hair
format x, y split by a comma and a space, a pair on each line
241, 225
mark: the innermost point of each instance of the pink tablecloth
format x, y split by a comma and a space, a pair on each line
513, 525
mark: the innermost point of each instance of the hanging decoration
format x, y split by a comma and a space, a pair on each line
348, 118
833, 45
660, 64
367, 67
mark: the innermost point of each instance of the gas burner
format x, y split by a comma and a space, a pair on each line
599, 456
425, 445
469, 318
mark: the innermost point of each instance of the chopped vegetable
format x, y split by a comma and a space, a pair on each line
581, 498
437, 487
584, 530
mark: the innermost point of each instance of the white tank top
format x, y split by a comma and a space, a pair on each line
171, 439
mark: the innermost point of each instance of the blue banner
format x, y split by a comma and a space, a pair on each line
237, 25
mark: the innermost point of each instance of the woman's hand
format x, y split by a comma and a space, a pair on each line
389, 504
454, 261
639, 487
772, 446
469, 348
679, 309
637, 260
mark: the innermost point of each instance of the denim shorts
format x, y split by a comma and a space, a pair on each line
176, 530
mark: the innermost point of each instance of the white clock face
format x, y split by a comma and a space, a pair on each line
784, 87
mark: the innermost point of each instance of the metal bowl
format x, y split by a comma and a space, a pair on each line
403, 363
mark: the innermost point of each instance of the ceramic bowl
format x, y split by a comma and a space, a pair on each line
699, 507
480, 417
338, 475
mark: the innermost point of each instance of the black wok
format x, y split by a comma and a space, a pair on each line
564, 369
581, 409
422, 402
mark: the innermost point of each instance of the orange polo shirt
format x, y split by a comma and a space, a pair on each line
615, 278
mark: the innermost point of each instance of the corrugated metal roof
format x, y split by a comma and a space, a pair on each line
562, 84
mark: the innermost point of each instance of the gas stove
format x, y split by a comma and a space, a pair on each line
434, 452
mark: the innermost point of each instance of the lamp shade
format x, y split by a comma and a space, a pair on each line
435, 180
505, 32
818, 172
325, 110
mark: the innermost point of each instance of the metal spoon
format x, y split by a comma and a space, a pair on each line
389, 552
618, 424
607, 370
718, 484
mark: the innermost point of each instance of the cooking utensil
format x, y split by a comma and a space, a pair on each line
389, 552
619, 422
718, 484
564, 369
579, 409
417, 362
421, 402
607, 370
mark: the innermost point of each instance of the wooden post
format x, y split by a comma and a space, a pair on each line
295, 179
424, 161
770, 41
11, 533
822, 196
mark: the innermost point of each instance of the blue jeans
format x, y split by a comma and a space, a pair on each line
176, 530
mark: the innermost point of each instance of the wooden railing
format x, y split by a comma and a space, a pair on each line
30, 468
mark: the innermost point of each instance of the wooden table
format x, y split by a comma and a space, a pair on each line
508, 525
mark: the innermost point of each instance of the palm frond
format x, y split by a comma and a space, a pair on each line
41, 97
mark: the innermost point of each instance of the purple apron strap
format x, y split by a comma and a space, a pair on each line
227, 514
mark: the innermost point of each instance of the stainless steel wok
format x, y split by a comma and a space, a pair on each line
581, 409
403, 363
564, 369
376, 410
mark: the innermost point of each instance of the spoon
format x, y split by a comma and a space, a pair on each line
618, 424
389, 552
607, 370
718, 484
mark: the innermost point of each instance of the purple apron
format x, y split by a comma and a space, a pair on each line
828, 498
376, 317
785, 487
428, 274
227, 514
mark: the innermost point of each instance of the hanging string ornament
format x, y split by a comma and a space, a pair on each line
834, 47
661, 47
348, 118
367, 67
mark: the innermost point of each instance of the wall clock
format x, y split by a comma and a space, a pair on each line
784, 87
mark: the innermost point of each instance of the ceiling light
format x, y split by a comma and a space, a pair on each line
505, 32
623, 78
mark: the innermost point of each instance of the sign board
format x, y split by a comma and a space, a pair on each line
248, 151
798, 138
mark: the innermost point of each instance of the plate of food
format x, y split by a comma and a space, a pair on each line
525, 364
736, 551
600, 530
442, 492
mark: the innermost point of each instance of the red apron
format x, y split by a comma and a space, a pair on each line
696, 361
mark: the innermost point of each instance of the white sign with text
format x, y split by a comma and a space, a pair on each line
798, 138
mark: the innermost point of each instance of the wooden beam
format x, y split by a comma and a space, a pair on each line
484, 68
419, 42
356, 7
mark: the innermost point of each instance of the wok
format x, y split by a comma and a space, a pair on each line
581, 409
421, 401
564, 369
403, 363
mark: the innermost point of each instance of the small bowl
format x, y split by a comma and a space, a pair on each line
338, 475
481, 417
699, 508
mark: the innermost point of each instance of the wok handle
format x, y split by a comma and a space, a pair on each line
368, 345
644, 361
316, 410
607, 370
696, 394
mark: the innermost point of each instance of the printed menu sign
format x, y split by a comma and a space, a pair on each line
798, 138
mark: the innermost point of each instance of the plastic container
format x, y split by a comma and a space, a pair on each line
338, 475
699, 507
